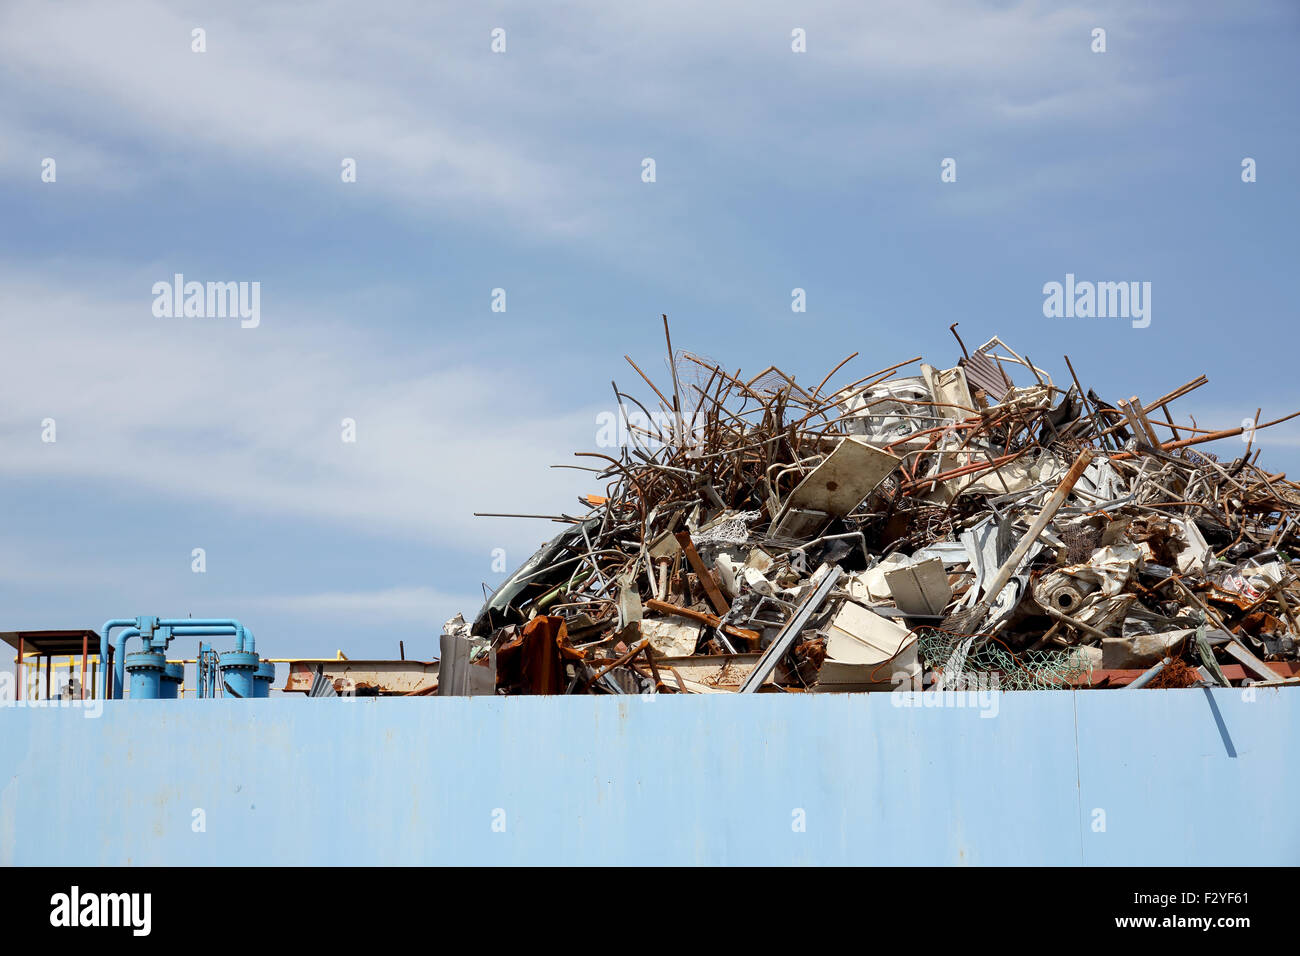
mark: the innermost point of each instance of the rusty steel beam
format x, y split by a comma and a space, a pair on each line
378, 676
720, 604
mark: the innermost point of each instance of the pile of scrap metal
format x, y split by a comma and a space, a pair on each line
977, 525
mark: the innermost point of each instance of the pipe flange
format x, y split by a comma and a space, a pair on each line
146, 661
239, 661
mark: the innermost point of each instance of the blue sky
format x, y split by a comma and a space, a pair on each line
522, 170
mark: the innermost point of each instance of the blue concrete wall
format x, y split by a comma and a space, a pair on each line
1094, 777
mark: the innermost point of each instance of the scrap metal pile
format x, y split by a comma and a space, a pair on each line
922, 527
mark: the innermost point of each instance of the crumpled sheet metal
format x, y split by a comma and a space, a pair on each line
534, 661
1105, 574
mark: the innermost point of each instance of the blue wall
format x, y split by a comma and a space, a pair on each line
1186, 776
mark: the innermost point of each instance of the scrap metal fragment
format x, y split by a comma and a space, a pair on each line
781, 645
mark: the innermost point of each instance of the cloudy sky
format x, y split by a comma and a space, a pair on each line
522, 171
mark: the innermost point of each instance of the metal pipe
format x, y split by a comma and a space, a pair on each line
1073, 622
109, 625
178, 627
119, 659
212, 627
1147, 676
186, 622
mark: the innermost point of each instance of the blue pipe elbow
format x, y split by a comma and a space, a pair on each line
119, 659
109, 626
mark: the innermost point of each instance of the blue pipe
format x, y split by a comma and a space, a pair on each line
119, 647
147, 669
241, 632
198, 622
172, 677
263, 679
238, 673
179, 627
109, 625
119, 659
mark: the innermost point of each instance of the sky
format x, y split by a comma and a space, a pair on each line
524, 169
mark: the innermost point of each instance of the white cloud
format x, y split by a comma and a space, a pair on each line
250, 420
295, 91
551, 132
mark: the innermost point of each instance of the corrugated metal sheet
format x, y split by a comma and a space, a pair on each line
983, 372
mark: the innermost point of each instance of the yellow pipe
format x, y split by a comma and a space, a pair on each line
93, 659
